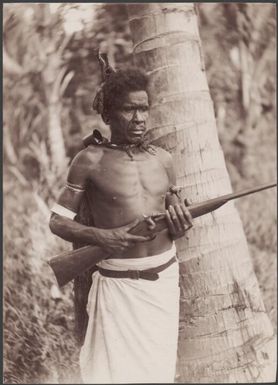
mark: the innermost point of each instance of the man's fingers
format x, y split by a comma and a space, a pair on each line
175, 219
151, 223
170, 222
140, 238
113, 250
187, 202
188, 217
180, 215
127, 244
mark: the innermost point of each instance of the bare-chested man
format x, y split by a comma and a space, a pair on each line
133, 323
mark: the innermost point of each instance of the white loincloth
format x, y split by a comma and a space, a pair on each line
132, 331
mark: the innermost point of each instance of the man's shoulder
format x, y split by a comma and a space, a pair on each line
83, 165
164, 156
161, 151
88, 156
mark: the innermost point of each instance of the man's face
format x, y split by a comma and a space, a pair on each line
128, 123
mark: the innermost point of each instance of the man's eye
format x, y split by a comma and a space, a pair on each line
128, 109
133, 109
144, 109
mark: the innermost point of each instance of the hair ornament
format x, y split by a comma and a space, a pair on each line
106, 71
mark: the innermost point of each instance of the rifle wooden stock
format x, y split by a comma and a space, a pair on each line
68, 265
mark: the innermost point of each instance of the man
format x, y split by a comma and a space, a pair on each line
133, 316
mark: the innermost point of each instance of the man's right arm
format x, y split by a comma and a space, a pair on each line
64, 211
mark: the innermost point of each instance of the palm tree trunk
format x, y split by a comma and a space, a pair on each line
225, 333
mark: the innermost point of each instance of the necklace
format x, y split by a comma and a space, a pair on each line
97, 139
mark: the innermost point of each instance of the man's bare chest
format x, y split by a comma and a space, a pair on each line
120, 176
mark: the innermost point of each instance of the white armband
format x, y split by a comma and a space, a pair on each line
63, 211
74, 187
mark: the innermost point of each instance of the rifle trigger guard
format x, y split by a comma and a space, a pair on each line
154, 217
157, 217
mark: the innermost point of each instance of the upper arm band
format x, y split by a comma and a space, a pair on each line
63, 211
74, 187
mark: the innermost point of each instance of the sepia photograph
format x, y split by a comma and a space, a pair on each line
139, 192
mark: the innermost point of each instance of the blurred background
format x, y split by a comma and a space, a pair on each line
50, 76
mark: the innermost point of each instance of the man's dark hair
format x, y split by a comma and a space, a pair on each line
119, 84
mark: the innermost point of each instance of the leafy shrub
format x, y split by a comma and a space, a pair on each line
39, 345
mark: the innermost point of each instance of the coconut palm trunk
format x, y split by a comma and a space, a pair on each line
225, 334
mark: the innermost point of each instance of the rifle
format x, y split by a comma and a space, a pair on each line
68, 265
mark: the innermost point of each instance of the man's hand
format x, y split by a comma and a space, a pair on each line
179, 219
119, 239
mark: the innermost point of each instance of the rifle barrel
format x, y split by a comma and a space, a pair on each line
201, 208
248, 191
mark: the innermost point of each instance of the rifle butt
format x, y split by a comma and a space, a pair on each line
68, 265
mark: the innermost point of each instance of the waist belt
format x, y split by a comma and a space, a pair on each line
149, 274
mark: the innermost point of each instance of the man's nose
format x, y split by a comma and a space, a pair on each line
138, 116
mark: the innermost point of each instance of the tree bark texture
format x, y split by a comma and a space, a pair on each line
225, 333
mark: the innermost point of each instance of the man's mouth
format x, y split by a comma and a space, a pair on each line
138, 131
